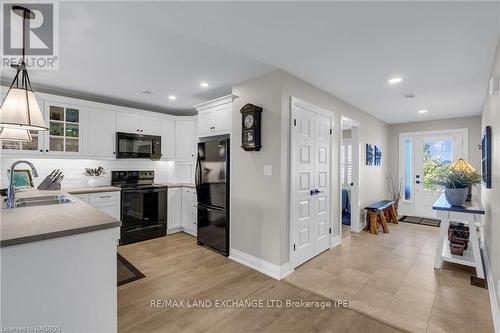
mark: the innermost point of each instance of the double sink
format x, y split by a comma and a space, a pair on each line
42, 201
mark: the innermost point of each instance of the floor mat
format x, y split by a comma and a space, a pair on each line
420, 220
126, 271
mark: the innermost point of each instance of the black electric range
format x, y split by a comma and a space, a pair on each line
143, 205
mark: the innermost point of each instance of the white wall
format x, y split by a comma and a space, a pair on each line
260, 205
491, 197
73, 169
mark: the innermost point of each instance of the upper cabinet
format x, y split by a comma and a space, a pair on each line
214, 117
79, 128
132, 122
167, 138
150, 125
100, 137
185, 139
65, 128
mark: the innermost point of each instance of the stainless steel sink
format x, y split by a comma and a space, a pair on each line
42, 201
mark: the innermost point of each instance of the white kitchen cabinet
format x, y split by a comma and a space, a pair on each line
182, 210
127, 122
100, 136
107, 202
185, 139
64, 136
85, 197
189, 210
174, 209
167, 138
149, 125
214, 117
135, 122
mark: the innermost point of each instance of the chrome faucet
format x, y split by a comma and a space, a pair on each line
10, 202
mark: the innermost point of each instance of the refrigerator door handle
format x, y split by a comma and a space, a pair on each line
197, 176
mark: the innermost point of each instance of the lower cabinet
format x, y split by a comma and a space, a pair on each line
182, 210
189, 210
107, 202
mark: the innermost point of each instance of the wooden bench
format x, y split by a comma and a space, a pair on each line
380, 212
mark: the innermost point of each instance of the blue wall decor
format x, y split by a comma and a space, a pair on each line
377, 155
369, 154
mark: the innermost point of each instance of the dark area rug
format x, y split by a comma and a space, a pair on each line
126, 271
420, 220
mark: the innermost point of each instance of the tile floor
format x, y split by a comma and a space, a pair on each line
391, 277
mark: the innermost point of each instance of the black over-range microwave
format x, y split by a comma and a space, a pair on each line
133, 145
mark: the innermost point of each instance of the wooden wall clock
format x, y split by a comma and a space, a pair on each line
251, 127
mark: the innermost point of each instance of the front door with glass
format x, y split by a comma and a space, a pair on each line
432, 155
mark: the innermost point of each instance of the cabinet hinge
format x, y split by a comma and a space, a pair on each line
295, 122
294, 247
330, 230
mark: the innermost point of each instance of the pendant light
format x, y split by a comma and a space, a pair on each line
15, 134
19, 109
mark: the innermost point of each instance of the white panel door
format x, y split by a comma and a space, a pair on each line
312, 186
149, 125
205, 123
432, 153
127, 122
304, 184
100, 139
322, 183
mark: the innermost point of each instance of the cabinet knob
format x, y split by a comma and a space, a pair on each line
47, 150
138, 130
141, 130
41, 150
114, 153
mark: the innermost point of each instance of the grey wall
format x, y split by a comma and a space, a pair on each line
260, 204
491, 197
472, 123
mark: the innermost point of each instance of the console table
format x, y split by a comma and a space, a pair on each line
472, 214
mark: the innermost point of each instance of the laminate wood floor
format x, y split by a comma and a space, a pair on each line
177, 269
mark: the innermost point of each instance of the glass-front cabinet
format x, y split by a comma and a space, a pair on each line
64, 128
62, 138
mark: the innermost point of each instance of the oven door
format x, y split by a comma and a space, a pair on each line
132, 145
143, 207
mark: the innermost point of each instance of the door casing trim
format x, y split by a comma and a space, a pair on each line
331, 115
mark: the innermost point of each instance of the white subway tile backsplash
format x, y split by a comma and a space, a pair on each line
73, 169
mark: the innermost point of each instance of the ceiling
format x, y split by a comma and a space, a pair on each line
442, 50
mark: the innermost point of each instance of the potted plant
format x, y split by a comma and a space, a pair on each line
456, 184
94, 173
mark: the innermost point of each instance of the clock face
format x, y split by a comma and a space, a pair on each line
249, 121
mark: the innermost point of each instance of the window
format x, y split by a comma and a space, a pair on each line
408, 168
346, 163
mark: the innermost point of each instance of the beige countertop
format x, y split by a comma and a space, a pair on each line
172, 185
35, 223
90, 189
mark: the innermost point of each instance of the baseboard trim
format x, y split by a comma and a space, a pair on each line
336, 240
495, 310
173, 230
260, 265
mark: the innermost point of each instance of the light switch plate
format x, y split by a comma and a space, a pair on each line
268, 170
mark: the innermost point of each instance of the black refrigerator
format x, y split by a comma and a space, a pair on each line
212, 189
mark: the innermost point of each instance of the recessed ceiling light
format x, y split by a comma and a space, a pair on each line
410, 97
147, 91
395, 80
204, 84
172, 97
422, 111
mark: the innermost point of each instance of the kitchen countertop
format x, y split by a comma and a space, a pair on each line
172, 185
90, 189
36, 223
